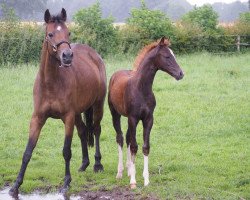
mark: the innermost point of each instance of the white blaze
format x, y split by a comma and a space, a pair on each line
59, 28
171, 52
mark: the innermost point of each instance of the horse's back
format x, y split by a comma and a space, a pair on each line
117, 87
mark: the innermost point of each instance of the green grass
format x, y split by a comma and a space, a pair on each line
199, 141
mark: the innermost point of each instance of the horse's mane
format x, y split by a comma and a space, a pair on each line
142, 53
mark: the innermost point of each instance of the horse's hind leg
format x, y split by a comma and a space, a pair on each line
116, 117
98, 114
82, 133
36, 125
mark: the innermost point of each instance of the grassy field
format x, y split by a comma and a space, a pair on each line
199, 141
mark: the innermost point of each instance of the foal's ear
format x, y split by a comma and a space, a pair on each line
47, 16
63, 14
162, 41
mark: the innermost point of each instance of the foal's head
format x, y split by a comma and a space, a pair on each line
165, 60
57, 37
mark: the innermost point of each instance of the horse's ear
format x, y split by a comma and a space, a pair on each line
162, 41
47, 16
63, 14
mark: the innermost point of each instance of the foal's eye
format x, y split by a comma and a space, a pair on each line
50, 35
69, 33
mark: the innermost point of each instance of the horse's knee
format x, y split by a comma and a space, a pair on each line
133, 148
145, 149
119, 139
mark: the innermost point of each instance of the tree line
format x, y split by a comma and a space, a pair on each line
197, 30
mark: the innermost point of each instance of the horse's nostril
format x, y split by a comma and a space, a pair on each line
181, 74
63, 55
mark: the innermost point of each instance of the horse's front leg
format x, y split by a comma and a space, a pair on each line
147, 126
69, 122
36, 125
132, 124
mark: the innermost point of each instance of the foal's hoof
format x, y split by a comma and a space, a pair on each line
13, 192
98, 168
119, 176
133, 186
84, 166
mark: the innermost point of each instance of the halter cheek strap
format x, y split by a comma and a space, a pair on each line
56, 46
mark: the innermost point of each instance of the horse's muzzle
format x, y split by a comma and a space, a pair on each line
180, 76
67, 57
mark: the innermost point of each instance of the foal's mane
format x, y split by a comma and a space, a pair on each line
142, 53
56, 19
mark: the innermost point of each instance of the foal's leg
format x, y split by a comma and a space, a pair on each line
82, 133
36, 125
128, 164
147, 125
98, 114
69, 122
116, 117
132, 123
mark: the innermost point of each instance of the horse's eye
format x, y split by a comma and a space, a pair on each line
69, 33
50, 35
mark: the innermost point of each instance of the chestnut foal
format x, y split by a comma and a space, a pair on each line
71, 81
131, 95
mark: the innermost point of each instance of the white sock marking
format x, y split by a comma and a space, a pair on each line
132, 170
128, 160
120, 163
145, 171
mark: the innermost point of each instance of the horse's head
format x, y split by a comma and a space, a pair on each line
165, 60
57, 37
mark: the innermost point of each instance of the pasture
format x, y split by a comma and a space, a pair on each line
199, 141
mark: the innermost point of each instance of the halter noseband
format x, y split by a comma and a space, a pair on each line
56, 46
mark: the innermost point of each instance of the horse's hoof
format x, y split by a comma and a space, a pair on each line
119, 176
64, 190
13, 192
146, 183
98, 168
84, 166
133, 186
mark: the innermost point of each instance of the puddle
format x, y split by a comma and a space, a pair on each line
4, 195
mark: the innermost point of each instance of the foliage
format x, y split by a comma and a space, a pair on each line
20, 43
95, 31
245, 17
152, 24
204, 17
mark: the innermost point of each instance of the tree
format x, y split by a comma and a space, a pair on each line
152, 23
204, 17
94, 30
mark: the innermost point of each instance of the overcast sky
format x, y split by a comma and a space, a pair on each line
201, 2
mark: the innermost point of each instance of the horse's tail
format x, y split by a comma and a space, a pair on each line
88, 115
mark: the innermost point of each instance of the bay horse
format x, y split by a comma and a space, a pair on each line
71, 80
130, 95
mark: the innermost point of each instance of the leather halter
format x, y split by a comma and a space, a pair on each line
56, 46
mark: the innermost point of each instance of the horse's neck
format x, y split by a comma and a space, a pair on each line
145, 75
48, 67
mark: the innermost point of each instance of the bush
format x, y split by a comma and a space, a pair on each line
93, 30
20, 43
204, 17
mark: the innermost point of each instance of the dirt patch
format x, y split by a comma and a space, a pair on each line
114, 194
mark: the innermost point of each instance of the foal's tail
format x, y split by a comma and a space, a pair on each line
88, 114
